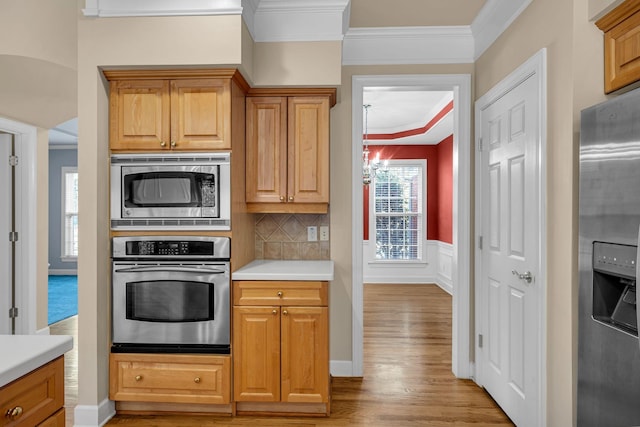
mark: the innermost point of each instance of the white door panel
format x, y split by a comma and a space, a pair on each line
5, 228
509, 366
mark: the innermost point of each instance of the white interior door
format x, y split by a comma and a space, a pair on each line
509, 285
5, 228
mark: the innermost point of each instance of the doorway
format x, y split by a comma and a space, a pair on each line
460, 85
26, 251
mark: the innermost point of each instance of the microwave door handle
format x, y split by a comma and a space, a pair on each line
167, 269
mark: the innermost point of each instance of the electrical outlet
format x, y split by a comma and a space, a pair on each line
312, 234
324, 233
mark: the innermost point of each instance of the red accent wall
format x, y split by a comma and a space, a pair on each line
439, 184
445, 190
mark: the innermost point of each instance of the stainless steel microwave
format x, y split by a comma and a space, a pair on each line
171, 191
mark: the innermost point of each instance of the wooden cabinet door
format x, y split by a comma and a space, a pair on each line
200, 114
266, 149
139, 115
308, 144
305, 354
256, 349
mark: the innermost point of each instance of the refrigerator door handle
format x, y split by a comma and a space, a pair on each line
638, 276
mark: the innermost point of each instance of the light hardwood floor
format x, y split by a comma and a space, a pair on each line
407, 380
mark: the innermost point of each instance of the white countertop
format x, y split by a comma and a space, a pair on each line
285, 270
22, 354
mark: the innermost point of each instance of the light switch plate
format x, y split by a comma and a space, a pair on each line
312, 233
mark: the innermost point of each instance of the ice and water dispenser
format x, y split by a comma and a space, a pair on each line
614, 286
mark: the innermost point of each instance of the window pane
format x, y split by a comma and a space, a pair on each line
398, 212
70, 213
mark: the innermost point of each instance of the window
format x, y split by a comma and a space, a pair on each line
69, 214
398, 205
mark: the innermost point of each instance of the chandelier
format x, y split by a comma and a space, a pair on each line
369, 167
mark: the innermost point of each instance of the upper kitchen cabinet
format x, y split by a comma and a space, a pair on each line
171, 110
621, 28
287, 137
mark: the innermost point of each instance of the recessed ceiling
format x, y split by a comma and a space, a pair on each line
395, 111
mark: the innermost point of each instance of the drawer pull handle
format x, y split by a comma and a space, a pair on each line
163, 144
138, 377
196, 380
274, 311
280, 294
285, 312
14, 413
173, 143
282, 198
291, 198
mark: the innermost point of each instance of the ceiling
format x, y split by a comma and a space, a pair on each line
392, 110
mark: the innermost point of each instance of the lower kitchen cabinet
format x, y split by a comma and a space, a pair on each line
281, 346
36, 399
175, 378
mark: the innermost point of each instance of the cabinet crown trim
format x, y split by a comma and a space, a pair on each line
186, 73
296, 91
617, 15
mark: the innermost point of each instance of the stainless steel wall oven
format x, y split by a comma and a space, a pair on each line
171, 294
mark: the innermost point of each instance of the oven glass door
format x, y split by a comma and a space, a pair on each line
171, 303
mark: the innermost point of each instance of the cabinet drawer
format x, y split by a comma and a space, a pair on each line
33, 397
257, 292
170, 378
57, 420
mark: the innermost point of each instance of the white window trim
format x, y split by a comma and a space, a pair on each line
64, 171
423, 232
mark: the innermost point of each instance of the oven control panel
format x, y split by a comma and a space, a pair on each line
171, 246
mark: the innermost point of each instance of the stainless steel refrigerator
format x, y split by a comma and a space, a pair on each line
608, 348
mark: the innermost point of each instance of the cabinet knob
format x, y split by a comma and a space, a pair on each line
280, 294
285, 312
196, 380
291, 198
173, 143
138, 377
14, 412
282, 198
163, 144
274, 311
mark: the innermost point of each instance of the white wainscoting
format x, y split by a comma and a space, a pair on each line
436, 267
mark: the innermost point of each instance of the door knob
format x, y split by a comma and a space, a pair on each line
526, 276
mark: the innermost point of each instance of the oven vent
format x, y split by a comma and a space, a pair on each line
215, 158
168, 224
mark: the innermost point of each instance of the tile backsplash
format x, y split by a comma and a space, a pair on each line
284, 236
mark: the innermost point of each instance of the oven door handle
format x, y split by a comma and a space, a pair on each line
167, 269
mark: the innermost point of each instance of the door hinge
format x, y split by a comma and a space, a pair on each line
480, 242
13, 236
479, 144
13, 160
480, 340
13, 312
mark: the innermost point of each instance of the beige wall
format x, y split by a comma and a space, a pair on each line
42, 228
297, 64
574, 58
38, 61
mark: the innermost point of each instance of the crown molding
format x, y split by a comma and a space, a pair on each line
408, 45
121, 8
296, 20
492, 20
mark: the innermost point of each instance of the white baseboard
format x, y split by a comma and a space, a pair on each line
341, 368
63, 272
94, 416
